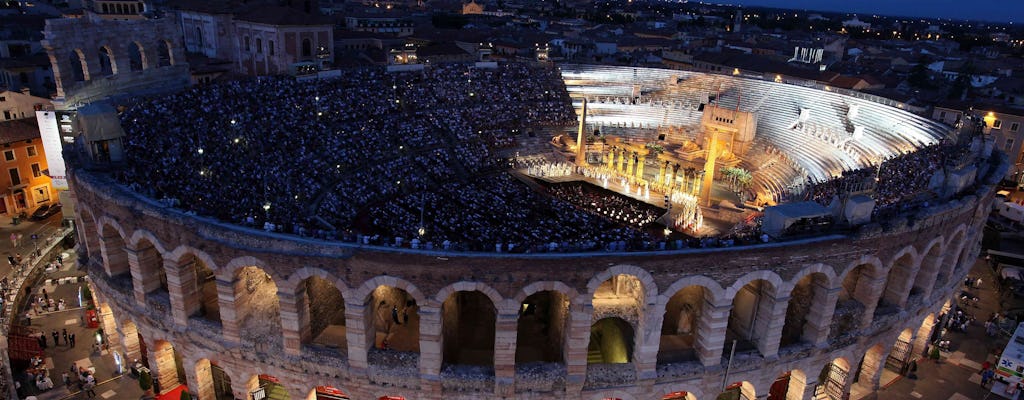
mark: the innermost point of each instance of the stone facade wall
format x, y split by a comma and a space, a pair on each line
121, 218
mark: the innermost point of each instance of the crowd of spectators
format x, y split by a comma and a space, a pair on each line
611, 205
901, 182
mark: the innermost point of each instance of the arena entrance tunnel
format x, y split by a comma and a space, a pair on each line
611, 342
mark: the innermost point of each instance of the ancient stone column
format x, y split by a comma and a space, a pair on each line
294, 314
660, 179
359, 334
181, 288
868, 291
640, 167
228, 310
711, 332
611, 158
771, 317
431, 343
115, 260
819, 316
142, 282
810, 383
577, 340
923, 334
505, 354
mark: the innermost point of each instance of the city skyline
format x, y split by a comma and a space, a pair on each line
983, 10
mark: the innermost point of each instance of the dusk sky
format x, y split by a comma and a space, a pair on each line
988, 10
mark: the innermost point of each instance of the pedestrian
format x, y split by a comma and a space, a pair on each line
10, 259
64, 334
18, 258
67, 379
71, 337
56, 338
394, 315
46, 296
977, 283
986, 376
42, 340
88, 387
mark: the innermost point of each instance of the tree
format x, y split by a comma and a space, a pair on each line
145, 381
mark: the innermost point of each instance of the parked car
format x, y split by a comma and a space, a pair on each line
45, 211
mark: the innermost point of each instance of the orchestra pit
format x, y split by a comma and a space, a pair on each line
527, 231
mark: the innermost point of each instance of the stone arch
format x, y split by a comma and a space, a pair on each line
835, 378
213, 382
542, 325
535, 287
924, 334
107, 65
953, 248
88, 231
650, 288
169, 366
145, 259
861, 284
112, 246
788, 385
131, 339
808, 312
252, 309
467, 286
390, 314
79, 66
752, 315
313, 310
871, 366
192, 277
165, 53
363, 292
740, 390
137, 60
902, 273
230, 269
681, 336
930, 262
469, 324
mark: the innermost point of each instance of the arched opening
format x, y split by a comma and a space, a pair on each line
809, 292
115, 258
897, 286
950, 261
468, 325
679, 396
927, 273
541, 328
898, 360
926, 334
258, 312
265, 386
322, 316
789, 384
307, 48
738, 391
199, 291
164, 55
748, 319
833, 379
79, 66
393, 315
199, 37
136, 57
854, 296
679, 326
327, 393
611, 342
620, 291
169, 370
870, 365
213, 383
89, 236
150, 280
107, 65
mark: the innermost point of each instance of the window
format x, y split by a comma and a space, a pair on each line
7, 114
1008, 146
307, 48
998, 124
942, 115
1014, 126
270, 47
31, 150
246, 45
15, 178
9, 155
259, 45
41, 193
36, 172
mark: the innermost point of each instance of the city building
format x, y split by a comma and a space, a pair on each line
25, 185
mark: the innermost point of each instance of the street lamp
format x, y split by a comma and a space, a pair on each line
266, 209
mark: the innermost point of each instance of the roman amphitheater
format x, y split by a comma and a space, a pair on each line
206, 286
